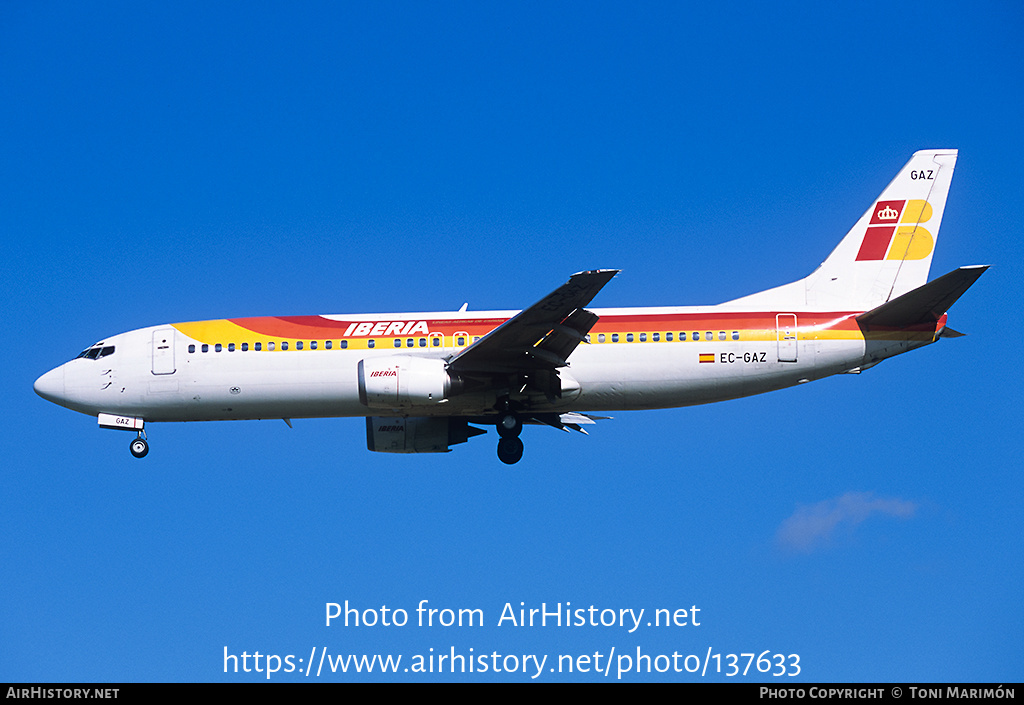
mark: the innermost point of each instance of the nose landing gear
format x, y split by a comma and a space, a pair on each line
139, 447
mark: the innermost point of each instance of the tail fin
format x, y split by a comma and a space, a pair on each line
887, 253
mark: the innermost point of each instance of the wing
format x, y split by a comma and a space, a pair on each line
537, 341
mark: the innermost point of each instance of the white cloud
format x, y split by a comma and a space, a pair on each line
812, 526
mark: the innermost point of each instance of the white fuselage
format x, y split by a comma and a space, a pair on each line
174, 384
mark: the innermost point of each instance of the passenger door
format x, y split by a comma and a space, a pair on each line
163, 351
785, 326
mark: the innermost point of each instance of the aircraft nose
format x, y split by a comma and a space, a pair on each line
51, 385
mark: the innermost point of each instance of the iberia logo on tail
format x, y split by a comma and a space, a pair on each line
902, 219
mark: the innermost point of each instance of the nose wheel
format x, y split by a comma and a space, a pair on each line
139, 447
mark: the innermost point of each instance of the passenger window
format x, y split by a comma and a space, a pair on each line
629, 337
409, 343
398, 342
312, 345
668, 337
191, 348
709, 336
245, 347
270, 346
423, 342
460, 341
344, 344
600, 337
721, 335
284, 344
231, 347
298, 345
615, 337
327, 344
257, 347
218, 347
435, 342
735, 335
656, 337
371, 343
643, 337
206, 348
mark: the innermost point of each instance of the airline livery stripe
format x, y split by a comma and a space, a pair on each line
754, 326
839, 327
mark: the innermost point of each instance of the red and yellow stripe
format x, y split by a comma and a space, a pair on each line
751, 327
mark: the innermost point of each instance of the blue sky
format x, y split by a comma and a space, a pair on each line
183, 162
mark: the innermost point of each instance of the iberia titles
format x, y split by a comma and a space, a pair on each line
384, 329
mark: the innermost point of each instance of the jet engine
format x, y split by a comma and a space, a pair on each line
417, 434
402, 382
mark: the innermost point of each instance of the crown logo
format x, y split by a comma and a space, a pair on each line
888, 213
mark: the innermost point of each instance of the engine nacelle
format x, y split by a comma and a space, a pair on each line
417, 434
401, 382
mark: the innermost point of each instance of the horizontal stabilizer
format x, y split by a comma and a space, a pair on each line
926, 303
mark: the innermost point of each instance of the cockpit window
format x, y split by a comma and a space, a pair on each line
96, 352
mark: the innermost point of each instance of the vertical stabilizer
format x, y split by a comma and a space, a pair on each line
886, 254
889, 251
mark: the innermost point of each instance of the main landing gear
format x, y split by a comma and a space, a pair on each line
139, 446
510, 446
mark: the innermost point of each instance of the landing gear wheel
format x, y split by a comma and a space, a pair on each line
139, 447
510, 450
509, 425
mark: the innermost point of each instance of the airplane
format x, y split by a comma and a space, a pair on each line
427, 381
